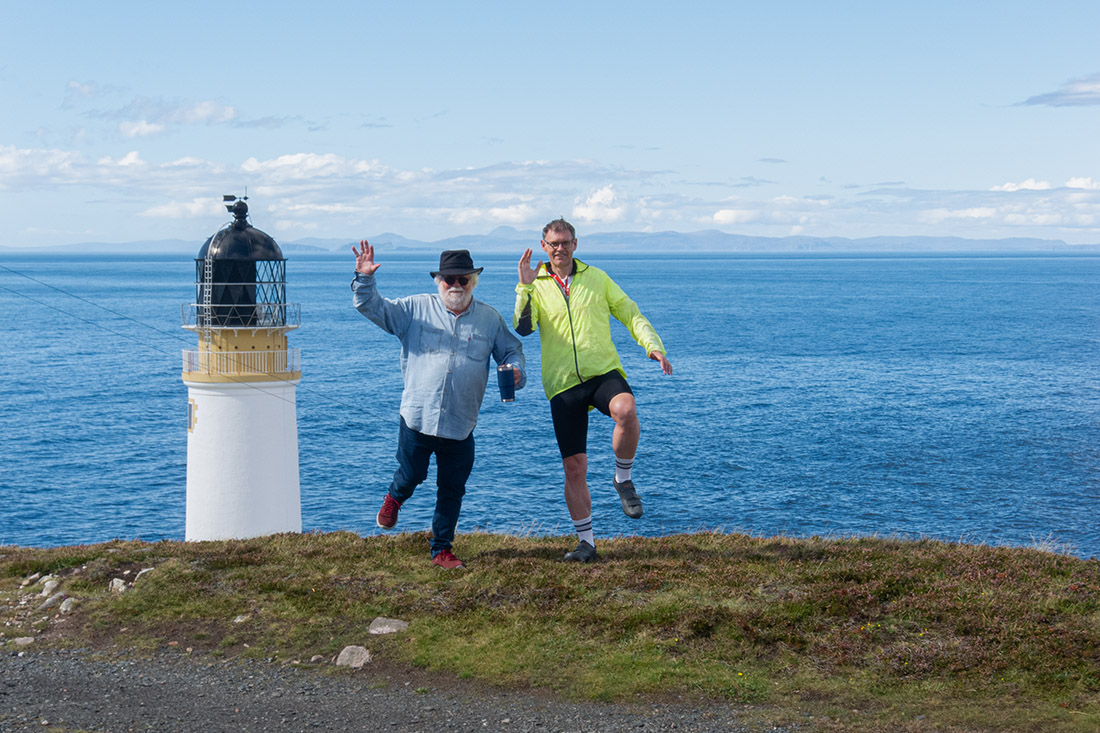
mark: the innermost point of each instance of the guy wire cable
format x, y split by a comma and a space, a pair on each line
171, 334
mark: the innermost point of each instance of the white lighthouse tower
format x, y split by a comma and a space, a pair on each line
242, 428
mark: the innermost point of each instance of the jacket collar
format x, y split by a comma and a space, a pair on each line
578, 266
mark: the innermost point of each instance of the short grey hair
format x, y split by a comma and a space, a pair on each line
559, 225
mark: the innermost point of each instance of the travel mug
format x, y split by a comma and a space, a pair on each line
507, 382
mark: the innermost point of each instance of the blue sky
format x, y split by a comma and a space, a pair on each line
128, 121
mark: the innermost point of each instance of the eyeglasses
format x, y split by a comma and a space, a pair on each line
460, 279
559, 245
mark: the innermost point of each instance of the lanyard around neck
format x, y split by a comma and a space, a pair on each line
564, 284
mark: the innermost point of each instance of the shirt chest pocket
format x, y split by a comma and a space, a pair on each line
478, 348
432, 340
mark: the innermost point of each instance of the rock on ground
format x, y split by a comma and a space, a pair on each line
387, 626
353, 656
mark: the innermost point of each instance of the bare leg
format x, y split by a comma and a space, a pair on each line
577, 497
624, 441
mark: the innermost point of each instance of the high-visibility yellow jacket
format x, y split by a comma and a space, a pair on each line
575, 331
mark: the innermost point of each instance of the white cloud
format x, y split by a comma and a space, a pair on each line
1086, 183
296, 225
938, 216
210, 113
146, 115
310, 166
130, 160
186, 162
318, 209
139, 129
506, 197
193, 209
78, 93
1029, 185
464, 217
1035, 219
348, 196
727, 217
1084, 90
78, 89
786, 201
784, 210
601, 206
517, 214
31, 167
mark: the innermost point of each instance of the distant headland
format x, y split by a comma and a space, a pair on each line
511, 240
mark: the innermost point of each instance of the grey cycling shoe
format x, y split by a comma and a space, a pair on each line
584, 553
632, 503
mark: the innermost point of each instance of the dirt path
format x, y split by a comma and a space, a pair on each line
49, 690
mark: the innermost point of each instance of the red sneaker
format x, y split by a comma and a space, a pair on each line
447, 560
387, 515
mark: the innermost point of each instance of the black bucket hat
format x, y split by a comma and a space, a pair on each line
456, 262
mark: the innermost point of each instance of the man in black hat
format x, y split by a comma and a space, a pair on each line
446, 341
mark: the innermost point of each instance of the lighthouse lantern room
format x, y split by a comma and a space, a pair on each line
242, 428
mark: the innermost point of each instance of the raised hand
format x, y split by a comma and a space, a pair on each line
364, 259
526, 274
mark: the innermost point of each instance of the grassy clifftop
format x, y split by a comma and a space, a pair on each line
862, 634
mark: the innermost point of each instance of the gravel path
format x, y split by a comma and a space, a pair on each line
76, 691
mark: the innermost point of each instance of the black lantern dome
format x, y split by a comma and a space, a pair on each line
240, 276
240, 240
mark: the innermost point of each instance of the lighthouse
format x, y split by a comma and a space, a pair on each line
242, 427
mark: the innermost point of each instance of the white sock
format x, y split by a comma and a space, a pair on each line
584, 530
623, 467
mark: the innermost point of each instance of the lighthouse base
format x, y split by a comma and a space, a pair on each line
242, 460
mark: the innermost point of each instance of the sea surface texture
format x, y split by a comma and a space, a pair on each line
953, 397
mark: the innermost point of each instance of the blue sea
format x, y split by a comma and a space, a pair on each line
954, 397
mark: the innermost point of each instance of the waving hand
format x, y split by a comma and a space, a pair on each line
526, 274
364, 260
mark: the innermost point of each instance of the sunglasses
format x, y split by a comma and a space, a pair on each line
460, 279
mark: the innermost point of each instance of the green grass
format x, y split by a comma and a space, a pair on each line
860, 634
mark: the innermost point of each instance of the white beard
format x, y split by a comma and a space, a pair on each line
455, 299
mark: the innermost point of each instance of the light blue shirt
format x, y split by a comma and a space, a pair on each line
444, 356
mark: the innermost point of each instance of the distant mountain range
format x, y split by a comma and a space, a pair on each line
510, 240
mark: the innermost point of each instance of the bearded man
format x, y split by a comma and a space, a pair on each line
446, 338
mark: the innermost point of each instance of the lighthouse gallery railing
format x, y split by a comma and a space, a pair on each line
242, 362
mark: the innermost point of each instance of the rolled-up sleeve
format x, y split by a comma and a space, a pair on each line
389, 315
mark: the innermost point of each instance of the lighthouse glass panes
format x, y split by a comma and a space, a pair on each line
241, 293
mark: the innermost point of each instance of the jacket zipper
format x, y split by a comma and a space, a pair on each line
572, 333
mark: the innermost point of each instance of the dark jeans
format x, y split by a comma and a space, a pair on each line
454, 459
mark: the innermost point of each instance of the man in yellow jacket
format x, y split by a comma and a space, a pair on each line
571, 304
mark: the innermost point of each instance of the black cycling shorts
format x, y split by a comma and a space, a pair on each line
569, 409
